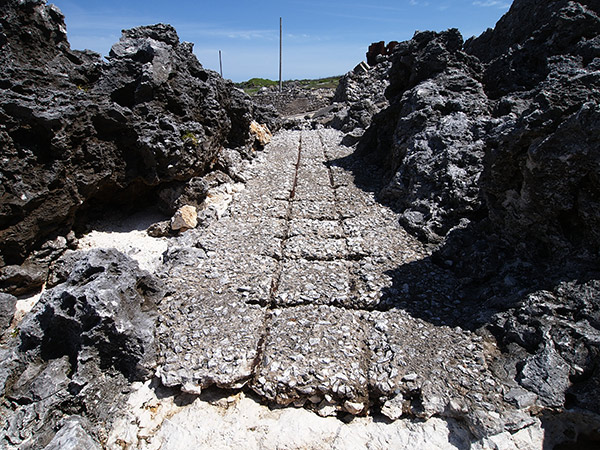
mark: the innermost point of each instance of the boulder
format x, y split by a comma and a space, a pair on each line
79, 349
501, 127
359, 96
73, 436
185, 218
78, 132
261, 133
540, 180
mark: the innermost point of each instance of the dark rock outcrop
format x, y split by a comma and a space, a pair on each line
525, 95
491, 150
76, 131
542, 160
431, 137
379, 49
79, 348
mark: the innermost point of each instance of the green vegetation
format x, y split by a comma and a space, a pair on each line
188, 135
253, 85
329, 83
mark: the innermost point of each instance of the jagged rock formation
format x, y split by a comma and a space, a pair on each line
358, 97
522, 103
541, 179
307, 291
430, 137
79, 349
76, 130
491, 149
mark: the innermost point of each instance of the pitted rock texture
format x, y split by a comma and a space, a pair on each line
501, 127
430, 137
490, 152
77, 352
307, 293
358, 97
77, 131
304, 289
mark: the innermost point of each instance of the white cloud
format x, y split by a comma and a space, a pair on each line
492, 3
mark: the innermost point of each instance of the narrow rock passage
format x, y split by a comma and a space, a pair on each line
291, 294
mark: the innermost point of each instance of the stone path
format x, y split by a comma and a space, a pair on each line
292, 295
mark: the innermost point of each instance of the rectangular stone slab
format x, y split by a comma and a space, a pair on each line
206, 340
315, 354
313, 282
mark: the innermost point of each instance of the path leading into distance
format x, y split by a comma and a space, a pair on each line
297, 294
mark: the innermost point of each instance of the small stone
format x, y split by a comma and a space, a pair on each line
392, 408
326, 409
354, 407
159, 229
314, 399
191, 388
410, 377
185, 218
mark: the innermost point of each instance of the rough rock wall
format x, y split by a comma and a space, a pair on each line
359, 96
430, 138
504, 125
491, 150
75, 129
542, 174
78, 351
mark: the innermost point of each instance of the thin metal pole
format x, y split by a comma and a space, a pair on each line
220, 63
280, 52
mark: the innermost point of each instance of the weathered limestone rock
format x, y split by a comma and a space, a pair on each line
490, 149
184, 219
73, 436
81, 345
261, 133
7, 310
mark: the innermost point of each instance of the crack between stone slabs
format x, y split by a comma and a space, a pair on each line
340, 219
271, 305
286, 233
368, 355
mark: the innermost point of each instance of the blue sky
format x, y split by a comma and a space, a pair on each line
320, 38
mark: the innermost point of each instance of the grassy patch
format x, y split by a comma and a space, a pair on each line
253, 85
330, 82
